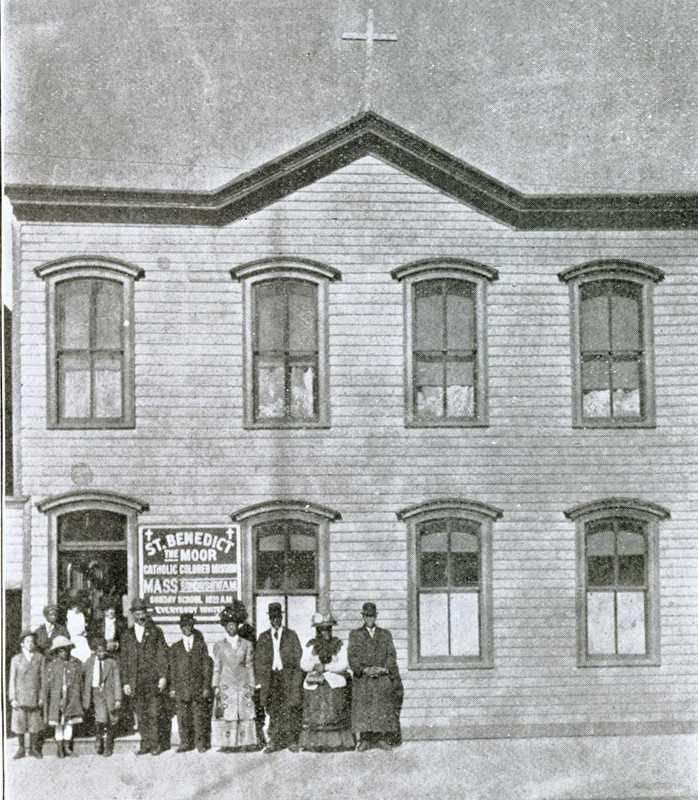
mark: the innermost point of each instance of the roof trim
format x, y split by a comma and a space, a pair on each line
264, 266
364, 134
449, 264
613, 505
71, 263
616, 267
285, 506
451, 504
96, 496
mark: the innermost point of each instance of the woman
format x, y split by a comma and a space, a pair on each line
62, 694
76, 623
326, 721
233, 686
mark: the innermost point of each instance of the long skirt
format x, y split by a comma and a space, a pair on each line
326, 721
233, 733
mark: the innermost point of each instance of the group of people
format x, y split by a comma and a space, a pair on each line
249, 693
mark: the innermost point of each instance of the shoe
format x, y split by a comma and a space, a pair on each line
362, 747
60, 750
383, 745
99, 745
156, 751
294, 748
142, 751
183, 749
20, 752
270, 748
35, 745
201, 748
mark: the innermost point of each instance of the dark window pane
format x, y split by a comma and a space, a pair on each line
270, 387
302, 299
464, 569
429, 322
271, 542
429, 386
460, 317
631, 570
270, 315
91, 526
594, 318
600, 571
73, 306
600, 545
434, 569
300, 571
108, 317
434, 540
625, 317
596, 395
270, 570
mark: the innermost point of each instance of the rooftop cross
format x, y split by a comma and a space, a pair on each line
369, 37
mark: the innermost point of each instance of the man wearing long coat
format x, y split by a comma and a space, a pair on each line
277, 670
143, 668
376, 685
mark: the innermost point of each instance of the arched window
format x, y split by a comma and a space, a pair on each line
450, 602
612, 342
286, 372
90, 342
445, 341
618, 581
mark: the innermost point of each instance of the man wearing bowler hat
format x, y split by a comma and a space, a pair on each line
190, 685
144, 665
277, 670
374, 711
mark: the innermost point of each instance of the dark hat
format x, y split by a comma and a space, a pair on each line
110, 601
187, 619
24, 635
138, 604
368, 609
275, 610
236, 612
50, 607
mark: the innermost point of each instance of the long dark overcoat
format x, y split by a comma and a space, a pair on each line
374, 706
190, 673
291, 652
52, 689
153, 663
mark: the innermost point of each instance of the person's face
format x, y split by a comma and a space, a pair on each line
28, 644
63, 653
110, 613
101, 652
369, 620
275, 620
325, 632
140, 616
187, 628
231, 628
51, 616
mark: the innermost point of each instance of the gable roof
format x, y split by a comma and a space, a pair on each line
366, 134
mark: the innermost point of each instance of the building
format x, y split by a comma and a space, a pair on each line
405, 382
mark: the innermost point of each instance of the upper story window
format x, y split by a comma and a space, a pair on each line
450, 584
617, 581
90, 342
286, 369
445, 342
612, 343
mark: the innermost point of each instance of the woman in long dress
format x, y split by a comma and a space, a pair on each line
76, 623
233, 685
326, 718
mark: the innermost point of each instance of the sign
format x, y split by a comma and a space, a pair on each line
190, 569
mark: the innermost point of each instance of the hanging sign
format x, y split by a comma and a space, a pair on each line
189, 569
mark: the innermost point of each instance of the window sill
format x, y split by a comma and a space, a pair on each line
606, 424
102, 425
451, 663
443, 423
271, 425
620, 661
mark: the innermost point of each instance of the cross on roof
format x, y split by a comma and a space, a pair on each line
369, 37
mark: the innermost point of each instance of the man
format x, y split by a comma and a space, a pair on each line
277, 670
101, 694
376, 684
190, 685
238, 613
144, 665
46, 633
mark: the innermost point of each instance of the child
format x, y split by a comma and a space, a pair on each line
102, 692
24, 690
62, 694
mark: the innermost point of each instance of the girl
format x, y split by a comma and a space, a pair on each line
62, 694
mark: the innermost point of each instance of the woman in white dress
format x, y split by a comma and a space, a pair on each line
76, 623
233, 723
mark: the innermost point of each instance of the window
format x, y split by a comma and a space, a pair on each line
612, 343
445, 342
90, 342
285, 559
617, 582
450, 584
286, 369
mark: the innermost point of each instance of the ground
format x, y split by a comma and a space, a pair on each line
582, 768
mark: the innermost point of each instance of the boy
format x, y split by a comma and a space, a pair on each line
24, 690
190, 685
102, 692
62, 694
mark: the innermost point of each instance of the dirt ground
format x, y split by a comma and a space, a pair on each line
584, 768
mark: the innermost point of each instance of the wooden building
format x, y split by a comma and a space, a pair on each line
406, 383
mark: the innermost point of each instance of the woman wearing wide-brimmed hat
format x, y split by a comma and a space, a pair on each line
62, 694
326, 720
233, 685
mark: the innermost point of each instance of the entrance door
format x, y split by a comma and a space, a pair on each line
92, 558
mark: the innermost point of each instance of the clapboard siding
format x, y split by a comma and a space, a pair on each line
191, 458
13, 542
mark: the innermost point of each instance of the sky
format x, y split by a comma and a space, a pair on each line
555, 96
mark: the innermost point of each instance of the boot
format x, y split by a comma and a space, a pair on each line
35, 745
99, 741
108, 741
20, 748
60, 749
68, 748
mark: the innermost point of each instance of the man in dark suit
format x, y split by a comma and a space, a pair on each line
144, 666
190, 685
46, 633
376, 687
277, 670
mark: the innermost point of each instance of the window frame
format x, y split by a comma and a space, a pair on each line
285, 268
275, 511
649, 515
454, 269
54, 273
643, 277
482, 515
